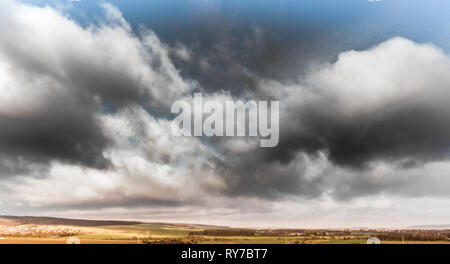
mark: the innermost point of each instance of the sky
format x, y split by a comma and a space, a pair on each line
363, 86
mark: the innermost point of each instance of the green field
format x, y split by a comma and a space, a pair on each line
167, 233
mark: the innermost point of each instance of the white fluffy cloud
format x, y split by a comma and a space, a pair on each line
44, 52
393, 72
396, 71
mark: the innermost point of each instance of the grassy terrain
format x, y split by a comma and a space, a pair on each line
180, 234
177, 233
155, 230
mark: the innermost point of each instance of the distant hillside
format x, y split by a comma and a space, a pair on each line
36, 220
190, 225
435, 227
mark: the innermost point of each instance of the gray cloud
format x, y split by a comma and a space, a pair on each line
84, 118
387, 104
71, 136
56, 77
234, 56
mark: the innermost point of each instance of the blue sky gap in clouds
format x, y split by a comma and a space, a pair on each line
369, 22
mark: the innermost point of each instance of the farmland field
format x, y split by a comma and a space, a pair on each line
150, 233
27, 240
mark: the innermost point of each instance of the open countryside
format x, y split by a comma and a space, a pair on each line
47, 230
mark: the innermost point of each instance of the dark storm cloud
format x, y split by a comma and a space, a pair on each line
416, 132
62, 134
405, 138
249, 175
234, 56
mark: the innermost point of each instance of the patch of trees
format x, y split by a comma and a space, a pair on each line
413, 236
224, 232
